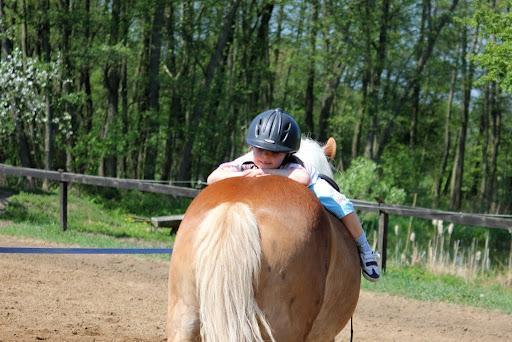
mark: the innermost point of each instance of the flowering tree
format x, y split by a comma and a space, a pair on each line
23, 106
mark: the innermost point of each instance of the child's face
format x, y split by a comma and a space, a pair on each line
265, 159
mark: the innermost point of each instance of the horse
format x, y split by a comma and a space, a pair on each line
260, 259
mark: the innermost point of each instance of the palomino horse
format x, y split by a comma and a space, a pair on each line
260, 259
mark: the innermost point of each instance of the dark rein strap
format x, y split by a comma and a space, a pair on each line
351, 329
330, 181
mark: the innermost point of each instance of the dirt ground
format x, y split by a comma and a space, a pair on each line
123, 298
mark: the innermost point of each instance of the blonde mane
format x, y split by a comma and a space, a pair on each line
313, 153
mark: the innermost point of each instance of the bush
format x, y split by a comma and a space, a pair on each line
362, 181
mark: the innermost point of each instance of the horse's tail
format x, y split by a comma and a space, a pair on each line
228, 258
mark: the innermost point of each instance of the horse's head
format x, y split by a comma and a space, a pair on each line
318, 156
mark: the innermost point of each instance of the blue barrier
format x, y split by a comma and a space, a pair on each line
57, 250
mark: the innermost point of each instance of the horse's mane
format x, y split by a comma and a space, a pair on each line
311, 152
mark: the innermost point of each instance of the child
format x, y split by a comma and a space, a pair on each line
273, 137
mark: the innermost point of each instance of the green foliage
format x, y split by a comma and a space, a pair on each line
496, 57
362, 181
366, 58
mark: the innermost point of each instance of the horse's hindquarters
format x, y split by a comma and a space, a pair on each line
342, 285
294, 269
296, 285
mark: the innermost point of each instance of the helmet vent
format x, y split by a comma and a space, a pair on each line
274, 130
286, 132
258, 128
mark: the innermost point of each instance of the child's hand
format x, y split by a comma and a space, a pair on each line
253, 173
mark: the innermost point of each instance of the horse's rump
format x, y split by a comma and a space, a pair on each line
296, 255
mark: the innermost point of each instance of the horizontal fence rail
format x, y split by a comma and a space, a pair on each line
491, 221
482, 220
68, 177
384, 210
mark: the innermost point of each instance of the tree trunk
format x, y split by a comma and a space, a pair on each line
297, 42
45, 52
277, 45
85, 75
310, 83
224, 36
367, 78
495, 140
424, 49
153, 90
176, 105
24, 29
489, 102
124, 171
425, 15
329, 94
123, 166
21, 141
65, 11
5, 42
111, 80
356, 137
467, 70
447, 139
258, 76
372, 145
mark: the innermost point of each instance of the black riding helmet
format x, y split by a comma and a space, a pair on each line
274, 130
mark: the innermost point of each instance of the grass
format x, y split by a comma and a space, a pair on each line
418, 283
122, 216
112, 219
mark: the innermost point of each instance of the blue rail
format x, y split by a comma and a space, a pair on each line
57, 250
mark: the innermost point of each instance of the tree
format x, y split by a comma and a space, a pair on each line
23, 83
467, 71
224, 35
111, 80
5, 39
310, 83
495, 19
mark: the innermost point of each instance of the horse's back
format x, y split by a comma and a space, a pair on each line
297, 253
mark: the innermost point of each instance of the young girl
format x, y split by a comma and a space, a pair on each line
273, 137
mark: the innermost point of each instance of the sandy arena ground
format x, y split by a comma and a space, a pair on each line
123, 298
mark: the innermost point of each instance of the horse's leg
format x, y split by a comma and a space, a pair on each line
182, 322
182, 314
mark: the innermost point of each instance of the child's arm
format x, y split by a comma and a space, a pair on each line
227, 172
220, 174
299, 175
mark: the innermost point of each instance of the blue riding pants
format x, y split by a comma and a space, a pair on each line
337, 203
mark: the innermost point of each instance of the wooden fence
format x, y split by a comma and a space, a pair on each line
384, 210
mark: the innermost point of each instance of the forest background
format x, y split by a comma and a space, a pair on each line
416, 93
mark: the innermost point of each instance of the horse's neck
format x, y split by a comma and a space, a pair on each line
312, 153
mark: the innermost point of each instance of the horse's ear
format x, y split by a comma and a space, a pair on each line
330, 148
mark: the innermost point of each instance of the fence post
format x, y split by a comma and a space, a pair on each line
63, 204
383, 239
